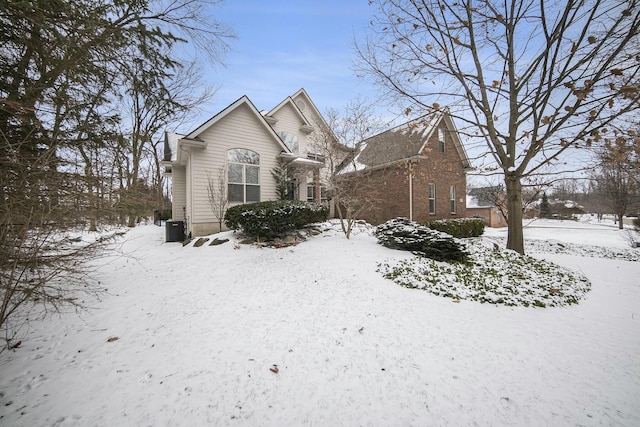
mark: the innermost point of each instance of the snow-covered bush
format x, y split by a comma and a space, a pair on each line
458, 227
273, 218
496, 277
402, 233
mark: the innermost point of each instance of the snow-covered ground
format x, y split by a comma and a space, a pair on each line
191, 336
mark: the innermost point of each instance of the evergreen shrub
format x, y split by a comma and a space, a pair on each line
273, 218
401, 233
459, 228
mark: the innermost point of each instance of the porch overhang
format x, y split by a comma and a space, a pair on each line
293, 160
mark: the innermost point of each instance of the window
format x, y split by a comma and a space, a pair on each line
441, 139
311, 193
432, 198
243, 176
452, 198
290, 140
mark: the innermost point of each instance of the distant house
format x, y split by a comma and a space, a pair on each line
481, 204
246, 145
416, 170
565, 209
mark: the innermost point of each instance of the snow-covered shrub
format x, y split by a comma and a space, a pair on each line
496, 277
459, 227
273, 218
402, 233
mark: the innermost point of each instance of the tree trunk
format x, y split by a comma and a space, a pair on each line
620, 221
515, 236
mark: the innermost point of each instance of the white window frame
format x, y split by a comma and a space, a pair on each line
442, 140
452, 199
311, 193
291, 140
432, 198
243, 181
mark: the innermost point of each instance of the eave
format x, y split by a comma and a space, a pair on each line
192, 143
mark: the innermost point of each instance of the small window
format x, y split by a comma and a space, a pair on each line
441, 139
243, 176
432, 198
452, 198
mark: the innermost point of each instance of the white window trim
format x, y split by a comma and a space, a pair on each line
442, 141
244, 182
432, 197
452, 199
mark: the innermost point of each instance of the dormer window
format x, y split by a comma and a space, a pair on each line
290, 140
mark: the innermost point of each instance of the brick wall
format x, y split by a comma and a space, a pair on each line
389, 187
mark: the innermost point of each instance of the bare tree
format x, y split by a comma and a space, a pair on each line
151, 101
43, 267
494, 193
530, 79
60, 63
217, 194
617, 179
336, 144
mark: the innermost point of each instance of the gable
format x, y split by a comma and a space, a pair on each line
288, 110
289, 118
306, 106
404, 142
244, 108
455, 139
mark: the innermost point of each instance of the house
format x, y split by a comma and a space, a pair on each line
416, 170
244, 146
481, 203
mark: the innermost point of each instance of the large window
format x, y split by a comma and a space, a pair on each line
432, 198
452, 198
243, 175
290, 140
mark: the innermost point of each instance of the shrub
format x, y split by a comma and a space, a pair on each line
401, 233
273, 218
497, 277
459, 228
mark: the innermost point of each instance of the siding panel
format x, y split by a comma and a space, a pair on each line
178, 193
239, 129
290, 121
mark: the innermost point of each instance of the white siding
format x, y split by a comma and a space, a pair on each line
239, 129
178, 193
290, 121
189, 198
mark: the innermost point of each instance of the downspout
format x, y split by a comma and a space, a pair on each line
189, 215
189, 196
410, 194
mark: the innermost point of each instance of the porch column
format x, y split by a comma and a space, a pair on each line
316, 187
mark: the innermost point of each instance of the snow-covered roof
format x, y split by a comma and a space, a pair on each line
171, 146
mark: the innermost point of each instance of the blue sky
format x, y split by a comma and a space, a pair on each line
284, 45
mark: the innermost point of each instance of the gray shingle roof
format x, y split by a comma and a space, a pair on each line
403, 142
